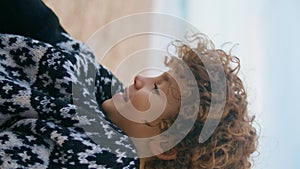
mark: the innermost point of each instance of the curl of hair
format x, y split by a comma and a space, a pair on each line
235, 138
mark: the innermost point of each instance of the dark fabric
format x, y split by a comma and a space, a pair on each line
31, 18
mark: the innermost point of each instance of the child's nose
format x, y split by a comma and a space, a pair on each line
142, 81
138, 82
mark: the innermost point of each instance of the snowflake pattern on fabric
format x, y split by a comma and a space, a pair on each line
50, 108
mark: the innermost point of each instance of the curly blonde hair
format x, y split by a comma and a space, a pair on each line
235, 138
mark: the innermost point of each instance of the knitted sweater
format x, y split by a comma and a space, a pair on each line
50, 107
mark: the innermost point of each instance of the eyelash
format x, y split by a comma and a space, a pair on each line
156, 88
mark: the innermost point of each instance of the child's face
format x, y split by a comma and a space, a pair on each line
149, 99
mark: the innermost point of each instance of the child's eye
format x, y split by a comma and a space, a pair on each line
156, 89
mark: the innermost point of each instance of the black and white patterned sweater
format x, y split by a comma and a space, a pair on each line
50, 108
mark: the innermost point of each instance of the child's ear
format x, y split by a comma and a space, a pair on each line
157, 150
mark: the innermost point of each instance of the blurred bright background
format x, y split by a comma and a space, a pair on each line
267, 34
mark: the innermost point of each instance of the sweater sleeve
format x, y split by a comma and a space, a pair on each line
106, 83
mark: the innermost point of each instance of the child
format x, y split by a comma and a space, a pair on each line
57, 109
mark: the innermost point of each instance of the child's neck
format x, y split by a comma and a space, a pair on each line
142, 163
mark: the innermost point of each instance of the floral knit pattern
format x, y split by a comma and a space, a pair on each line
50, 108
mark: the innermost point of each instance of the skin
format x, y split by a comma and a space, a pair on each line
144, 95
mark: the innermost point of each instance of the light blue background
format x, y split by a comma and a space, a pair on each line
268, 34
